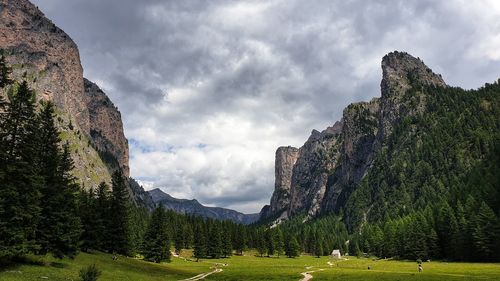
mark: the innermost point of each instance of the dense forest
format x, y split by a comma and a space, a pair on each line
433, 192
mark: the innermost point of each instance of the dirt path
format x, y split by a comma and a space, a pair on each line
307, 275
203, 275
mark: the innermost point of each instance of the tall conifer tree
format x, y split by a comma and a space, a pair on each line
200, 244
103, 213
214, 243
227, 245
5, 71
19, 177
59, 227
119, 229
292, 247
156, 244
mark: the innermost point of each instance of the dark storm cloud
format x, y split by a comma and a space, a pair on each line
209, 89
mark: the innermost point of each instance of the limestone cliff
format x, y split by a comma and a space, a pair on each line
286, 157
331, 163
40, 49
106, 128
317, 157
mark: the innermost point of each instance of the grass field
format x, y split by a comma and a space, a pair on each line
249, 267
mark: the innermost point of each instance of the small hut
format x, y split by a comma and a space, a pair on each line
336, 254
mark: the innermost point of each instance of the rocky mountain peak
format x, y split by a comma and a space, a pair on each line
400, 70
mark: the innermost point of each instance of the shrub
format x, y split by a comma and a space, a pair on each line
90, 273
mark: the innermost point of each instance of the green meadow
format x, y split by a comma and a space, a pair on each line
248, 267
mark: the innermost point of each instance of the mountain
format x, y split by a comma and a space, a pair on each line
415, 146
48, 59
193, 207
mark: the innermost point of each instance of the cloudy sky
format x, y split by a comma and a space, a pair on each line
209, 89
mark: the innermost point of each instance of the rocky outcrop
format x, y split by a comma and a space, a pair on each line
317, 157
286, 157
400, 73
359, 142
193, 207
106, 128
140, 196
332, 163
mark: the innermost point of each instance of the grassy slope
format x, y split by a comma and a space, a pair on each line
253, 268
122, 269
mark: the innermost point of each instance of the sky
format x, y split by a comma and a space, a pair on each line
208, 90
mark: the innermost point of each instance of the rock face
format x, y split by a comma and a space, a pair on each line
193, 207
33, 42
285, 160
331, 163
140, 196
106, 128
317, 157
48, 59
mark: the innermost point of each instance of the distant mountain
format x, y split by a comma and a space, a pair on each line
193, 207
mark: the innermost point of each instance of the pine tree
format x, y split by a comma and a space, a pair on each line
270, 242
240, 240
119, 229
432, 243
461, 235
179, 239
103, 221
261, 242
214, 249
200, 244
484, 233
318, 245
278, 241
88, 217
65, 238
447, 230
139, 217
309, 241
292, 247
5, 72
227, 245
389, 245
188, 236
59, 228
417, 242
19, 178
156, 243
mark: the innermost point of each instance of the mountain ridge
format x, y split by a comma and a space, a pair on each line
193, 207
